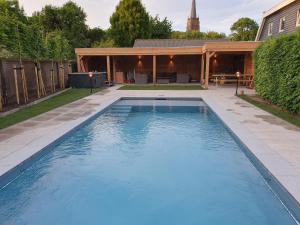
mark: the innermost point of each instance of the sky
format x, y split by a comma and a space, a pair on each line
215, 15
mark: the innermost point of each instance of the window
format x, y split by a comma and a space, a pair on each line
298, 18
282, 24
270, 29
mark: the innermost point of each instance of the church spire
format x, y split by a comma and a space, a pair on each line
193, 11
193, 23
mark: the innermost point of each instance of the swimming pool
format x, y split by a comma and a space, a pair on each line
144, 162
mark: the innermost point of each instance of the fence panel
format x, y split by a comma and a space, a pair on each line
8, 86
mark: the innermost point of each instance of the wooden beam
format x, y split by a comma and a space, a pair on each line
212, 54
154, 69
202, 69
233, 46
86, 64
138, 51
82, 65
108, 68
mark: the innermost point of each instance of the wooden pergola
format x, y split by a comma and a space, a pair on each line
205, 53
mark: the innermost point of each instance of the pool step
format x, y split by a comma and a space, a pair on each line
120, 111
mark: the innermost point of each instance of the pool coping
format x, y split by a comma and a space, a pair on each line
16, 164
258, 152
253, 148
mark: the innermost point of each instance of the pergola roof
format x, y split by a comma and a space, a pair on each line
171, 43
206, 46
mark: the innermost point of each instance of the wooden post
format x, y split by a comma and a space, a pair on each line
16, 85
41, 82
24, 84
69, 67
51, 81
1, 97
78, 64
208, 56
108, 69
154, 69
62, 76
1, 90
202, 69
207, 70
114, 68
37, 81
52, 77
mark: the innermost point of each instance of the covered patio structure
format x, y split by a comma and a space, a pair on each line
169, 61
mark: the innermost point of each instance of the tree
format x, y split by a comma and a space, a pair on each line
108, 43
11, 17
49, 18
187, 35
12, 10
214, 35
35, 46
196, 35
160, 29
130, 21
58, 47
72, 19
244, 29
95, 35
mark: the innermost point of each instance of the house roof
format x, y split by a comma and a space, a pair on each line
171, 43
277, 7
269, 12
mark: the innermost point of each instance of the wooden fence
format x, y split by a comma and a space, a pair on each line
20, 84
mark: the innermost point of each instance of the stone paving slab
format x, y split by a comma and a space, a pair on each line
273, 141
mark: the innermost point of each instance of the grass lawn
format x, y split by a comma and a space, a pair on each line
161, 87
276, 111
45, 106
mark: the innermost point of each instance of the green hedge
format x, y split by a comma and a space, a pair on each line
277, 71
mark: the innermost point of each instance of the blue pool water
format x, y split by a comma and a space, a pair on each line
144, 163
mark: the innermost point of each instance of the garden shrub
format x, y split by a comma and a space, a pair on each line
277, 71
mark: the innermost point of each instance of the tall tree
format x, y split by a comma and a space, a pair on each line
73, 18
49, 18
160, 29
35, 46
95, 35
58, 47
130, 21
244, 29
13, 10
12, 20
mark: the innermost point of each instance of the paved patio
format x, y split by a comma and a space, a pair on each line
273, 141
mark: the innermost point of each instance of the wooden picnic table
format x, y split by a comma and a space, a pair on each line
245, 79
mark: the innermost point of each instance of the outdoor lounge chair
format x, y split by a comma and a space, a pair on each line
183, 78
141, 78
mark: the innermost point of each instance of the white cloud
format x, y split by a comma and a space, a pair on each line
215, 15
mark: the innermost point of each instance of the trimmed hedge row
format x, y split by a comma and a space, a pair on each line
277, 71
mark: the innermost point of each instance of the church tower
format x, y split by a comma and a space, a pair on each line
193, 23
